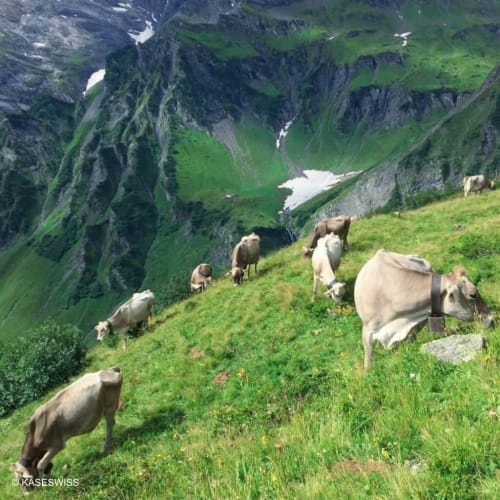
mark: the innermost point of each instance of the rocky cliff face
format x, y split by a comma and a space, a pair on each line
52, 46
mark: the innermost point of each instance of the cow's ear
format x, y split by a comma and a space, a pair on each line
12, 467
227, 274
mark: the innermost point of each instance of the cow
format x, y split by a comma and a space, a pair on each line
201, 277
245, 253
337, 225
476, 183
325, 262
136, 310
75, 410
392, 294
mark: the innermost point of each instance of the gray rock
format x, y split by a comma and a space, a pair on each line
456, 348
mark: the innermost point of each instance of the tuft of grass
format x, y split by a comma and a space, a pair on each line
257, 392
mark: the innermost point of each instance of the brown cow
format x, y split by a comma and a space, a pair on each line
476, 183
393, 298
245, 253
75, 410
201, 277
337, 225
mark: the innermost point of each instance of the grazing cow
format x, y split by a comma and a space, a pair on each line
325, 262
136, 310
201, 278
245, 253
75, 410
393, 298
337, 225
476, 183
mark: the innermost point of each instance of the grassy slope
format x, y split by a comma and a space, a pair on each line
297, 416
32, 291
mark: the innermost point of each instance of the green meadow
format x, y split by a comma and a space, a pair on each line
255, 392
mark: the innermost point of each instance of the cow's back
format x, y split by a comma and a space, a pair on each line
385, 285
252, 244
333, 245
78, 408
239, 257
138, 307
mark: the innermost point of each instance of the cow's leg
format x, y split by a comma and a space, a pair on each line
368, 346
110, 422
315, 287
44, 465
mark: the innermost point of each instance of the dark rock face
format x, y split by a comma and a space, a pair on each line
51, 46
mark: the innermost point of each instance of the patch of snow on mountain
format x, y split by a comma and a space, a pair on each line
312, 183
144, 35
95, 77
283, 133
404, 36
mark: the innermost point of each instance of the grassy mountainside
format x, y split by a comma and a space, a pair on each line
256, 392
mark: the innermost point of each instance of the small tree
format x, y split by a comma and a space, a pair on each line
32, 365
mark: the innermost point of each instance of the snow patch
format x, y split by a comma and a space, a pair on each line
95, 77
144, 35
309, 185
404, 36
283, 133
39, 45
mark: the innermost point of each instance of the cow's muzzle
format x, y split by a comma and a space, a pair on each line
489, 321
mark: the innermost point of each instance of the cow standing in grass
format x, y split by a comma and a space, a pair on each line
136, 310
325, 262
201, 278
245, 253
476, 183
393, 298
75, 410
337, 225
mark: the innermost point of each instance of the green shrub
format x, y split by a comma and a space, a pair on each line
32, 365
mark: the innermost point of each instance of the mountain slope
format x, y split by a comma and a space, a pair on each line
182, 147
296, 415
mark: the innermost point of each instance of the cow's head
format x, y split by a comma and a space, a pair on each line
492, 185
24, 476
462, 299
307, 251
237, 274
103, 329
336, 291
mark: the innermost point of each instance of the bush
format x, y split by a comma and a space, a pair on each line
32, 365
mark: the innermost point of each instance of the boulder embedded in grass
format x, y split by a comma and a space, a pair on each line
456, 348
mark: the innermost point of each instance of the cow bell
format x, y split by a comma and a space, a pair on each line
436, 323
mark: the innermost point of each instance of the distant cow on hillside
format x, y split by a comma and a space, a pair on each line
136, 310
337, 225
245, 253
476, 183
201, 277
